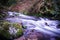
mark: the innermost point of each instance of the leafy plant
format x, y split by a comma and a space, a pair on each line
19, 27
4, 29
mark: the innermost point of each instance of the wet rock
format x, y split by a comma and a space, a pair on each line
34, 35
58, 26
20, 38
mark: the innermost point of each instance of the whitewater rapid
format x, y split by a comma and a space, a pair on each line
43, 25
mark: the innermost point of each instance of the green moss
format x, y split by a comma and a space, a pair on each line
5, 34
19, 33
19, 27
3, 15
4, 27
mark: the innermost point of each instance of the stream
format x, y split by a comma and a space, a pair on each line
40, 24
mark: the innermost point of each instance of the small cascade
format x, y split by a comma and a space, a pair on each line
43, 25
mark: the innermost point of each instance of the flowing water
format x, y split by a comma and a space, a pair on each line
43, 25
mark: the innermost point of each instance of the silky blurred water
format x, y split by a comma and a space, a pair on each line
40, 24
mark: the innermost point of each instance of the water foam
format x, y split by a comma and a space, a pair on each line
42, 24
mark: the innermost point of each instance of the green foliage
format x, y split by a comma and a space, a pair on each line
11, 2
19, 27
3, 15
5, 34
4, 29
4, 24
7, 2
50, 9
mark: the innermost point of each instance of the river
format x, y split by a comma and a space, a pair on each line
40, 24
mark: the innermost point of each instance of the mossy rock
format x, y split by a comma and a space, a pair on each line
4, 29
19, 29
